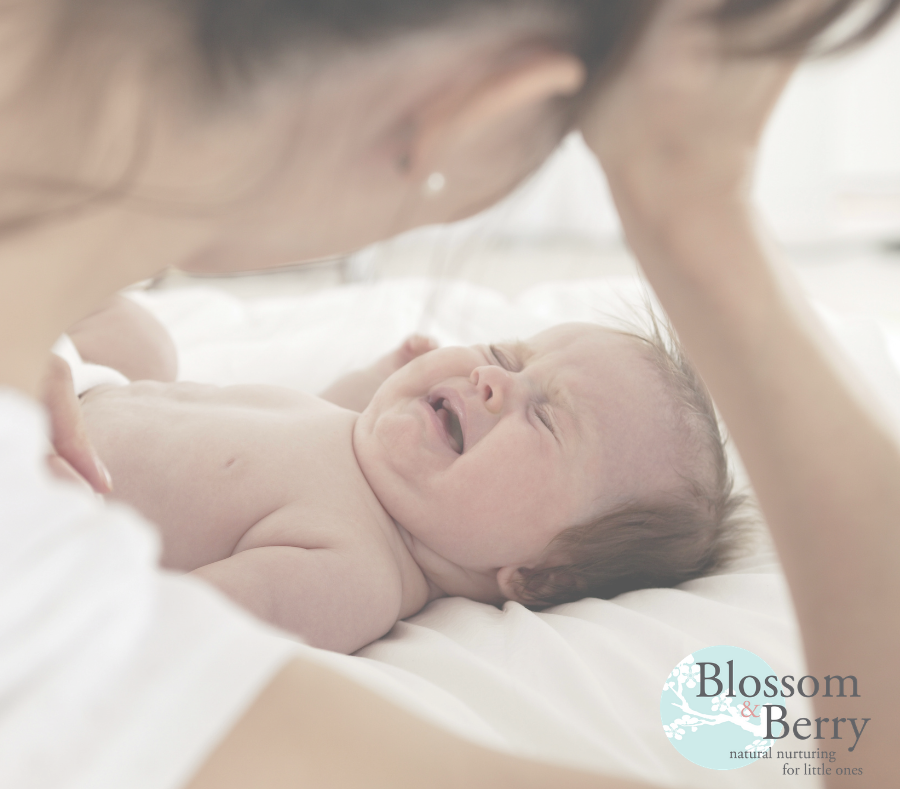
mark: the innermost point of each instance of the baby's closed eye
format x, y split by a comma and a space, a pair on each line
544, 416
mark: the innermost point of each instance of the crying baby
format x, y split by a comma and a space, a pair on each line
585, 461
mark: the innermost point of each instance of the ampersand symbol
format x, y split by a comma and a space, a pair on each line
747, 709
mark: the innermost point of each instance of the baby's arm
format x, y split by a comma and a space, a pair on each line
355, 390
129, 339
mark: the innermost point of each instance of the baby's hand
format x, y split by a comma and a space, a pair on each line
412, 347
355, 391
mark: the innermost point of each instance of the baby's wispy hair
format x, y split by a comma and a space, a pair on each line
663, 539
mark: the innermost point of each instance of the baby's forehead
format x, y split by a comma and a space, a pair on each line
575, 357
585, 343
590, 363
619, 407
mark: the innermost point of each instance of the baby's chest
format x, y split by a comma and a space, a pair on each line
292, 462
312, 472
207, 472
282, 483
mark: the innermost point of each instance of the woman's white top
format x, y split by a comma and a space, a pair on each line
113, 673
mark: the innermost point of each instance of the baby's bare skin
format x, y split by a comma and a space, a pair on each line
258, 490
464, 466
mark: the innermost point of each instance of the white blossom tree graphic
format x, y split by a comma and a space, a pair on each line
687, 675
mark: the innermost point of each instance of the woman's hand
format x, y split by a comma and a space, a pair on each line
682, 119
75, 458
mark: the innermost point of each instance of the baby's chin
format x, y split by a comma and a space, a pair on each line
372, 453
362, 429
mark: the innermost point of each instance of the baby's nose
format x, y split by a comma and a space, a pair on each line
491, 383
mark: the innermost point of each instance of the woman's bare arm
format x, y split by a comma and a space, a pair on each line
313, 728
677, 136
824, 462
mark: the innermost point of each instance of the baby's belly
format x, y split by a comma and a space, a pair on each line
204, 464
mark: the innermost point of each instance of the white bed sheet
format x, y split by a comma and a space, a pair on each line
578, 684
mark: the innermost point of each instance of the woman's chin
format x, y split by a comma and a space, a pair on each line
232, 261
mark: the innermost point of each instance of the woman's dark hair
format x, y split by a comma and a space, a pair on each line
809, 29
238, 34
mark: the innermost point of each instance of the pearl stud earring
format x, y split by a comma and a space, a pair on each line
435, 184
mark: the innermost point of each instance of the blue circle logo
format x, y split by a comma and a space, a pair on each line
713, 707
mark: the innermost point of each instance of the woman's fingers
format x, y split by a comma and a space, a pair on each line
686, 112
68, 433
62, 470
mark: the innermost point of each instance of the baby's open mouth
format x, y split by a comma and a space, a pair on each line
450, 421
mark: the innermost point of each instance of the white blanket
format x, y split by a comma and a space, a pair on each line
578, 684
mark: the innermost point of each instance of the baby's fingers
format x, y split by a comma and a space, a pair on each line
416, 345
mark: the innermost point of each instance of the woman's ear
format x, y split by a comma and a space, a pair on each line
490, 106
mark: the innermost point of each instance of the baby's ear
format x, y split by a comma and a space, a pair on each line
512, 583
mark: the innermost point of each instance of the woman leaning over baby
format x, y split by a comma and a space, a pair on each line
220, 135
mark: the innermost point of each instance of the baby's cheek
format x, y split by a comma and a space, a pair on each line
521, 494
